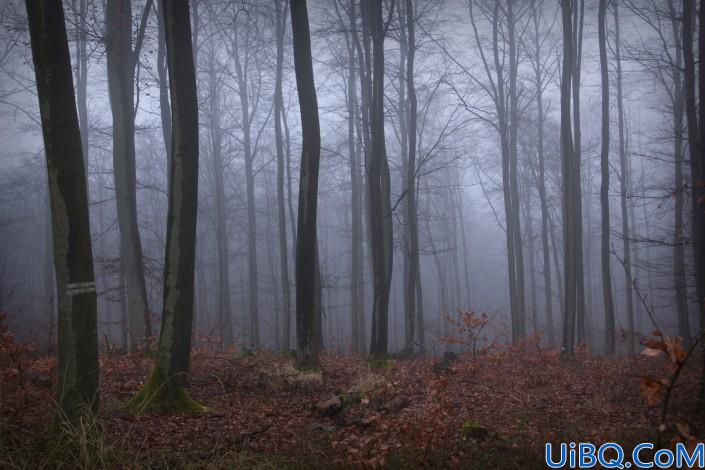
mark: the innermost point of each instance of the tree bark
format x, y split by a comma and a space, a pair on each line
411, 207
578, 15
247, 114
281, 205
567, 166
77, 368
164, 389
378, 183
607, 296
162, 74
623, 185
539, 79
221, 225
121, 80
307, 353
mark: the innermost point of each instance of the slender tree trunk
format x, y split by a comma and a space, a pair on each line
247, 115
679, 265
281, 205
623, 186
578, 15
538, 69
121, 81
568, 168
518, 326
164, 107
78, 368
356, 291
164, 389
466, 253
411, 207
221, 225
532, 264
81, 10
607, 296
307, 352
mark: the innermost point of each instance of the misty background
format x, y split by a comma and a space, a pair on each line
462, 222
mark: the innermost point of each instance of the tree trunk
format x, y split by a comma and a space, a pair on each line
518, 324
121, 80
605, 185
411, 207
164, 389
49, 281
221, 225
78, 368
307, 353
538, 69
357, 289
378, 179
578, 15
281, 207
697, 157
247, 115
568, 168
164, 107
623, 186
679, 265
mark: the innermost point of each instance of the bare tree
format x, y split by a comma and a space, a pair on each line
78, 368
605, 185
122, 60
306, 246
624, 182
378, 185
280, 20
567, 165
164, 389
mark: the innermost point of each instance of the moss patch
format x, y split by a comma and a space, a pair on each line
160, 394
380, 363
473, 430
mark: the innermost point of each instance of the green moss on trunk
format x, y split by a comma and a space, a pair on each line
160, 394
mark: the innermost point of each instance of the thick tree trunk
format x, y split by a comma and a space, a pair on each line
607, 296
697, 156
378, 179
307, 353
121, 68
164, 389
78, 368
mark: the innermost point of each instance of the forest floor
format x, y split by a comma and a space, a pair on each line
496, 411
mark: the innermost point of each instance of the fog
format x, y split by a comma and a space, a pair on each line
462, 219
